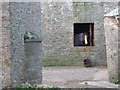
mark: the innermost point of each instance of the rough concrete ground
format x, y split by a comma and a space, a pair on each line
77, 77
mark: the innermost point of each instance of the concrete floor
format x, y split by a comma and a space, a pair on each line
77, 77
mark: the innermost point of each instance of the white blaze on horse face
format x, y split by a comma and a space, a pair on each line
86, 42
118, 19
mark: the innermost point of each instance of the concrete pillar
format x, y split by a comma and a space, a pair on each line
17, 18
33, 74
0, 45
112, 45
25, 16
5, 59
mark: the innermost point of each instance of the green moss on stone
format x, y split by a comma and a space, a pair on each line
75, 60
116, 81
82, 6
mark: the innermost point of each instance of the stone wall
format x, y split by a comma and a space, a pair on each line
6, 62
112, 47
86, 13
24, 16
119, 46
17, 18
57, 32
0, 44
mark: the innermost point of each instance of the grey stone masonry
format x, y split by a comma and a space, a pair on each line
112, 32
16, 19
0, 44
92, 12
6, 62
58, 31
24, 17
20, 61
33, 68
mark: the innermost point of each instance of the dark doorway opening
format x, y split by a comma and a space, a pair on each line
83, 34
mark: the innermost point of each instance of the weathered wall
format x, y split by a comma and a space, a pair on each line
94, 13
24, 16
0, 44
57, 32
17, 28
86, 13
6, 62
18, 17
112, 47
119, 47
